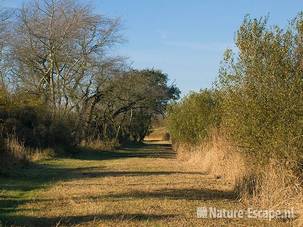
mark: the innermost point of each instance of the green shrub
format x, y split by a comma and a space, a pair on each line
262, 90
190, 120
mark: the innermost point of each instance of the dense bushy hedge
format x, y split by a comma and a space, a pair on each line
190, 120
260, 91
263, 90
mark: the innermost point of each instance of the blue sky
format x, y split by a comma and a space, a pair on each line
185, 38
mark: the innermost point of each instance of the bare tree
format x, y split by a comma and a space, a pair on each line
60, 46
5, 15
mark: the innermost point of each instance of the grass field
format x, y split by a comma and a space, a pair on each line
138, 186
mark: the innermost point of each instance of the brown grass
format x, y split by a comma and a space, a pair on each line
216, 157
14, 153
148, 188
16, 150
274, 186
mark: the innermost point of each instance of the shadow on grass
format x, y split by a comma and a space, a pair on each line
18, 188
181, 194
175, 194
130, 151
43, 175
17, 185
72, 220
134, 173
166, 194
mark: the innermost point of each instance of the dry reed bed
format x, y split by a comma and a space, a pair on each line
274, 186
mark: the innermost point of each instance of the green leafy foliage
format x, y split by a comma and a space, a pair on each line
190, 120
262, 90
258, 97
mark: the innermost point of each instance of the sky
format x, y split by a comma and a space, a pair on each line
184, 38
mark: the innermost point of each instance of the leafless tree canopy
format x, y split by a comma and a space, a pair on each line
60, 48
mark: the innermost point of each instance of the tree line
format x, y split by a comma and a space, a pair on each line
61, 82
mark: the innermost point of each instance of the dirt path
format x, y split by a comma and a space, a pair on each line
135, 186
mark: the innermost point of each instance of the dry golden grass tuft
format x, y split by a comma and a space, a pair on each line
274, 186
41, 154
15, 153
16, 150
216, 157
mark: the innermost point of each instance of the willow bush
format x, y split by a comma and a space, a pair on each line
258, 97
190, 120
262, 90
